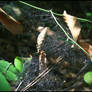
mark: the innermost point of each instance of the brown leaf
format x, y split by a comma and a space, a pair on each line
10, 23
87, 47
73, 24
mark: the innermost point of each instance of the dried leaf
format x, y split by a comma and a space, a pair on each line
41, 38
42, 57
87, 47
73, 24
10, 23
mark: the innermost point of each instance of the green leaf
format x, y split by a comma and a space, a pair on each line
18, 64
4, 64
4, 85
11, 76
8, 70
88, 78
13, 69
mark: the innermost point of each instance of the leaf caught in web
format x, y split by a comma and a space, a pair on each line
73, 24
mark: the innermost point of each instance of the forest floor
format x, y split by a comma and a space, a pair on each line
65, 75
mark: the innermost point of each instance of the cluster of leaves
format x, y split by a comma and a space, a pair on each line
10, 73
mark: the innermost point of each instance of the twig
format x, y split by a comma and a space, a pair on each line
19, 85
82, 19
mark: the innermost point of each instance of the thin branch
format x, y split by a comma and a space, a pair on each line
82, 19
19, 85
39, 77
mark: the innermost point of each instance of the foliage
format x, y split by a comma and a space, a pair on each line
9, 72
18, 64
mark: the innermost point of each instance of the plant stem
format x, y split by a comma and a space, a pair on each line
82, 19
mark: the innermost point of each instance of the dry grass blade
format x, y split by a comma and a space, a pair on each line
10, 23
18, 86
73, 24
38, 78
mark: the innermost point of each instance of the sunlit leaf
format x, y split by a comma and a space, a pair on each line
18, 64
73, 24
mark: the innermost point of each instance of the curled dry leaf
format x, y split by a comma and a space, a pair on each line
73, 24
41, 37
10, 23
